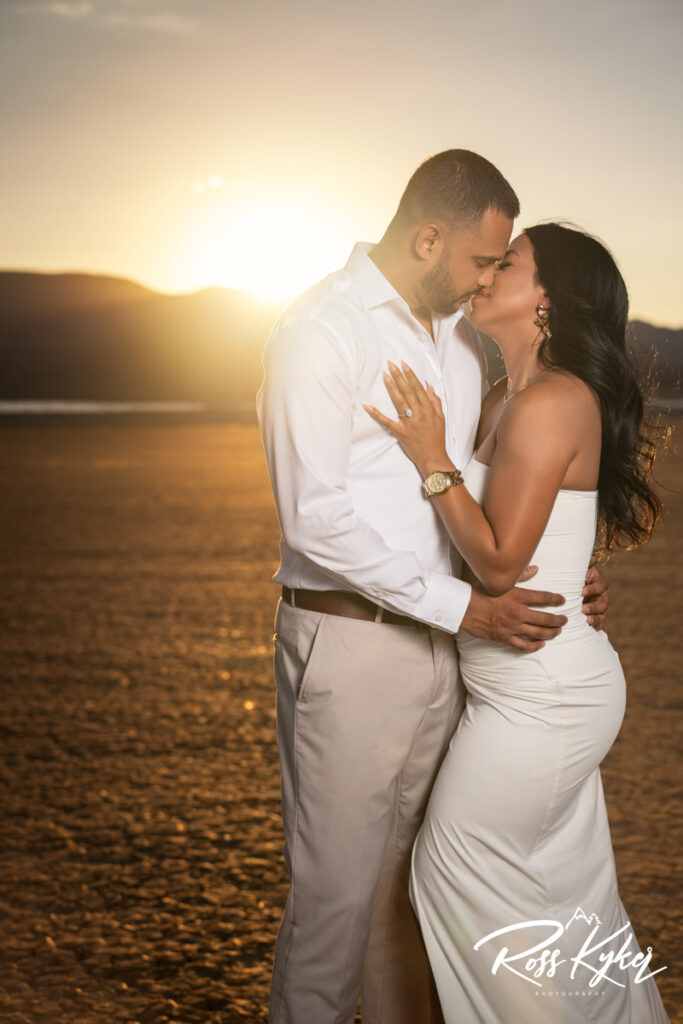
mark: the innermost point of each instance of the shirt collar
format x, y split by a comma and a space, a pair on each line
371, 284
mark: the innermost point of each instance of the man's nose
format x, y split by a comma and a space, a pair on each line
485, 279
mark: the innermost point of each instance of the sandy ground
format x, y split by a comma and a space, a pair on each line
141, 872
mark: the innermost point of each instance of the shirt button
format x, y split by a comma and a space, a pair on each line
438, 617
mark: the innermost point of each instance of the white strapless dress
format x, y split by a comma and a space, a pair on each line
516, 829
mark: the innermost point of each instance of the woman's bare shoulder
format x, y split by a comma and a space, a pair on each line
558, 405
562, 385
557, 388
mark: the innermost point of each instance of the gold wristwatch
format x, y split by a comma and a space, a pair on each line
439, 481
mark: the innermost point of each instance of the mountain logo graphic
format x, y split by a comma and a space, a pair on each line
580, 916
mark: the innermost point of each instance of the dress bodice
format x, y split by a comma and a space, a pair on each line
565, 549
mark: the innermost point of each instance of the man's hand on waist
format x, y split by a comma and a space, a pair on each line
509, 619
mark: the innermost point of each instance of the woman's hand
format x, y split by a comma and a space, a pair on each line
595, 596
422, 435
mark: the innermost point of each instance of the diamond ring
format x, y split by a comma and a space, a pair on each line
408, 412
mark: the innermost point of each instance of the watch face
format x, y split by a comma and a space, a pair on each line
438, 481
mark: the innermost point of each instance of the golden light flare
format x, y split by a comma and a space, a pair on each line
271, 246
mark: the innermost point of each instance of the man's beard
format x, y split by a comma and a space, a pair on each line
438, 289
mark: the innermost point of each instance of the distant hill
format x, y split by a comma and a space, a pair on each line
83, 336
86, 336
665, 346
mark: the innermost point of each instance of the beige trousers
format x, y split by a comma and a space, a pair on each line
365, 713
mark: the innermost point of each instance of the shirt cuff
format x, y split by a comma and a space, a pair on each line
443, 606
445, 602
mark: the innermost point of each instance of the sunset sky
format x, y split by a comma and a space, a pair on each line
250, 142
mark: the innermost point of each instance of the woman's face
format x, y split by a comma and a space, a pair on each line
511, 300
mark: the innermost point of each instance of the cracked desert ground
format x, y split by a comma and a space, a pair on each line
141, 869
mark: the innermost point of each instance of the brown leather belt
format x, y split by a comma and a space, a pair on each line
349, 604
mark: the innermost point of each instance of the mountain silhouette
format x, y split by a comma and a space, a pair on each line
83, 336
87, 336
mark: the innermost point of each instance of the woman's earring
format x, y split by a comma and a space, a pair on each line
543, 321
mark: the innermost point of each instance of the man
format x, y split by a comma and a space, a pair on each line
368, 694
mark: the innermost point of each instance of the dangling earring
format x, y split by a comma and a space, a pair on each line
543, 321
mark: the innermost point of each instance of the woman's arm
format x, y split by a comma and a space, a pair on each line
535, 445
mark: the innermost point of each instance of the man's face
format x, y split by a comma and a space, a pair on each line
467, 262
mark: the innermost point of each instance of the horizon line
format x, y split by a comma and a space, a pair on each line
111, 275
266, 303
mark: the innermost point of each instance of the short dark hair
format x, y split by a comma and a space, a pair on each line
457, 186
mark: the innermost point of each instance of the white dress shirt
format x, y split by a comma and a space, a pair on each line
349, 501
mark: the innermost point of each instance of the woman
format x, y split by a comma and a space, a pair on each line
516, 832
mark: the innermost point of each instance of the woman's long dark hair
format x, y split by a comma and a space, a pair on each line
589, 324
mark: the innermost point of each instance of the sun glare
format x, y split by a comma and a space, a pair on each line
273, 249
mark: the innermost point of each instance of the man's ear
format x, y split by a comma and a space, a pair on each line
428, 242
